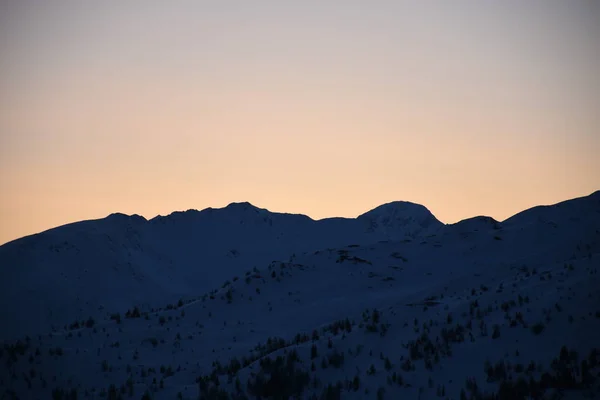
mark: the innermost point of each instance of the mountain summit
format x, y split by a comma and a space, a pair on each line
413, 219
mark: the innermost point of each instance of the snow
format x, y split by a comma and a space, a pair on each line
279, 275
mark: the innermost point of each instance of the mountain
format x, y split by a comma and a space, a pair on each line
148, 262
255, 304
400, 219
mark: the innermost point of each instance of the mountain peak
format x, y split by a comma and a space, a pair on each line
243, 205
405, 208
475, 224
413, 218
125, 217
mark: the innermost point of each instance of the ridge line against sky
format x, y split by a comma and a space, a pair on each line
303, 214
468, 108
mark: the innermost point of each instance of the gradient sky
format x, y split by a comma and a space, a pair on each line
326, 108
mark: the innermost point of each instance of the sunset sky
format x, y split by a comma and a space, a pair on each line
326, 108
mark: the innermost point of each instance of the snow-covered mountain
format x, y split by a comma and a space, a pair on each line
149, 262
255, 304
400, 219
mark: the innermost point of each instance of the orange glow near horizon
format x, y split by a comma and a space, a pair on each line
145, 107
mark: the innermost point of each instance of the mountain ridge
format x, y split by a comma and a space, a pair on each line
248, 206
190, 251
385, 302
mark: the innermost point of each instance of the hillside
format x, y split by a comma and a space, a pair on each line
393, 304
148, 263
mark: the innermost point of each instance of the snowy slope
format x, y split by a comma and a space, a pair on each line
450, 303
150, 262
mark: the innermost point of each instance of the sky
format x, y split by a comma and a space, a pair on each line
325, 108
